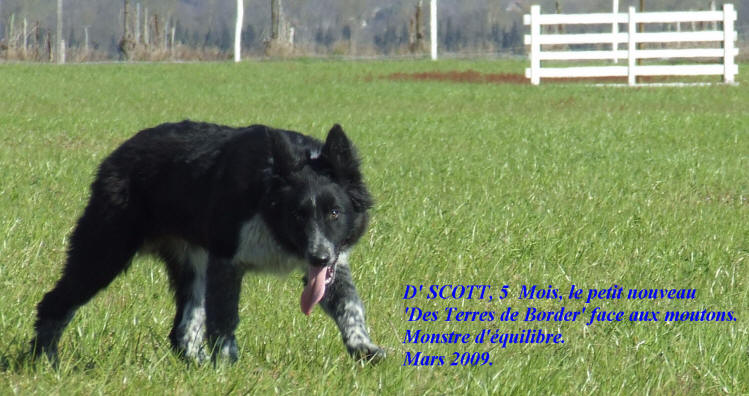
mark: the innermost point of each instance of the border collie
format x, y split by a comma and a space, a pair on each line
214, 202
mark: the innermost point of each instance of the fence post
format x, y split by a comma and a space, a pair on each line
615, 31
238, 32
728, 64
535, 45
433, 28
631, 47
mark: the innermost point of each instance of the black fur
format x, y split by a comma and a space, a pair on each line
214, 202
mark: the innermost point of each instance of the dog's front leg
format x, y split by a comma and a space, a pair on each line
342, 303
223, 287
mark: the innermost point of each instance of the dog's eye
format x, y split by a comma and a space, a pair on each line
333, 214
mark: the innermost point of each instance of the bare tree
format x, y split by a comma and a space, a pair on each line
275, 46
25, 36
416, 30
274, 18
156, 31
137, 24
146, 39
127, 44
49, 46
38, 39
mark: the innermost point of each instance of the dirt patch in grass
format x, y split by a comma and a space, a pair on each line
468, 76
472, 76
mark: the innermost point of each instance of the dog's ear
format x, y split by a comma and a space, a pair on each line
284, 162
339, 153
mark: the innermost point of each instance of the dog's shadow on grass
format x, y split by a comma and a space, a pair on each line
19, 360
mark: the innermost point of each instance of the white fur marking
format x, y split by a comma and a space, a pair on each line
226, 350
354, 330
192, 322
343, 258
258, 250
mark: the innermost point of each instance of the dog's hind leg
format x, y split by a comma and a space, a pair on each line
342, 303
222, 305
187, 270
101, 247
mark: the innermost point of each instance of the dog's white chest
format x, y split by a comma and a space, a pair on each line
258, 250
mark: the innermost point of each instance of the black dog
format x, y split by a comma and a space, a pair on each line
214, 202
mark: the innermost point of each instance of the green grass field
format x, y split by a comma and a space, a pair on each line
561, 184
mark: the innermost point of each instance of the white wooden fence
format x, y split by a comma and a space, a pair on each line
702, 44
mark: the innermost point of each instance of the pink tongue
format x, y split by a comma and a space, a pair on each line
315, 288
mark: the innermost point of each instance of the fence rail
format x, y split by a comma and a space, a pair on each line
632, 39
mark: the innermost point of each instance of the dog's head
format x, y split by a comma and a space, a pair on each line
319, 205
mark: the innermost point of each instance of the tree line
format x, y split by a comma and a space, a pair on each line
203, 29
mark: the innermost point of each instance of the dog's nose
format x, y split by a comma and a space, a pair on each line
319, 260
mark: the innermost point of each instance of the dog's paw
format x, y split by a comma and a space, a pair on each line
40, 350
366, 352
191, 356
225, 350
